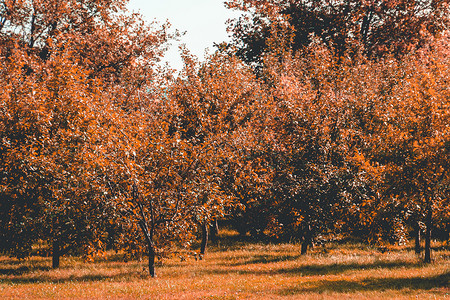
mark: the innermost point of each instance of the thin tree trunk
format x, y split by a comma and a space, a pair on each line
304, 247
151, 261
427, 258
214, 231
417, 247
151, 248
306, 240
204, 240
56, 254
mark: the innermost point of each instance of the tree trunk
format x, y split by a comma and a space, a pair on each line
151, 248
427, 258
417, 248
304, 247
151, 261
204, 240
214, 231
56, 254
306, 240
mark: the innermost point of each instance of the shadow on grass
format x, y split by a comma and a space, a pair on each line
47, 278
30, 261
250, 259
237, 242
334, 269
439, 282
267, 259
39, 271
314, 269
22, 270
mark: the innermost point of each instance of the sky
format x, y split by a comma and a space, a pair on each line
203, 21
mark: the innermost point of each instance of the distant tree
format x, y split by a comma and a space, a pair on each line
317, 174
213, 101
377, 26
397, 113
347, 94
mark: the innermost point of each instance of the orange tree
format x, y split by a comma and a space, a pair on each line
147, 181
413, 141
379, 27
366, 146
398, 116
213, 102
66, 67
167, 151
48, 125
342, 91
317, 177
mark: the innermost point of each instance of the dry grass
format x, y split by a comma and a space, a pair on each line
237, 270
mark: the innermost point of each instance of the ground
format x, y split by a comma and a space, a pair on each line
238, 270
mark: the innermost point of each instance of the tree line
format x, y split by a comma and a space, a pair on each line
318, 121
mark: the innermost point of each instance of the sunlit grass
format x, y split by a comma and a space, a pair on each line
237, 270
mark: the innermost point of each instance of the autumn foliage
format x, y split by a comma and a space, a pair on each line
341, 131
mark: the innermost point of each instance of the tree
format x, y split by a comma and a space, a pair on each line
68, 69
346, 94
212, 103
415, 136
48, 124
317, 176
379, 27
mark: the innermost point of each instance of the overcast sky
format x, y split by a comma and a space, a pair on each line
203, 21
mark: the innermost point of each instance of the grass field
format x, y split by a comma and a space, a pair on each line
237, 270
